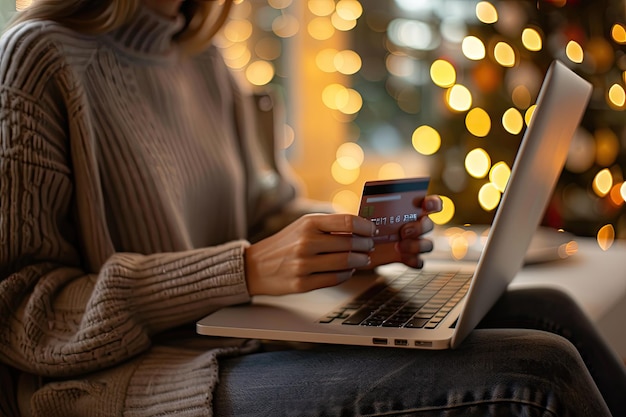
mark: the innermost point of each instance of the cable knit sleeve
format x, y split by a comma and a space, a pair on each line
69, 304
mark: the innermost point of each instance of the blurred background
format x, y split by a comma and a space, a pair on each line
382, 89
379, 89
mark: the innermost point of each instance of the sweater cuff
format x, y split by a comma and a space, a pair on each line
191, 285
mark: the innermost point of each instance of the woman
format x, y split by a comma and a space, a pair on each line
136, 200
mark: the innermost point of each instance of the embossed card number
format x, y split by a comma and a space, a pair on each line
391, 203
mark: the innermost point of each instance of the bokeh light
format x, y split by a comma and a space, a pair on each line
473, 48
442, 73
478, 122
504, 54
350, 155
477, 163
486, 12
602, 182
574, 52
426, 140
390, 171
447, 211
512, 121
606, 236
531, 39
260, 73
459, 98
489, 196
499, 175
617, 96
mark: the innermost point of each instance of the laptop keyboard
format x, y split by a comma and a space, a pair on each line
415, 299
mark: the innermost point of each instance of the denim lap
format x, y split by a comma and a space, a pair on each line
495, 372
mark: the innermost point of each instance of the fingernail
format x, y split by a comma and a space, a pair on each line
409, 231
344, 276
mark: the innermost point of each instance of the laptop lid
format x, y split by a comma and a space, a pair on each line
539, 161
541, 156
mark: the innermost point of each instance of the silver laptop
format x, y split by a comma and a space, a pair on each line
404, 307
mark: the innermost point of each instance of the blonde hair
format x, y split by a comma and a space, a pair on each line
203, 18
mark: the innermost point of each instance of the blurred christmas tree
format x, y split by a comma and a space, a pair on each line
457, 79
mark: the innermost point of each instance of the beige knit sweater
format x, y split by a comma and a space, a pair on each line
130, 180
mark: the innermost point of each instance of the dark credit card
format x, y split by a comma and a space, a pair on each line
391, 203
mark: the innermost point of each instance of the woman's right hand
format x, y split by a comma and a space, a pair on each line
315, 251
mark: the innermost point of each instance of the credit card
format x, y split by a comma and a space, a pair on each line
391, 203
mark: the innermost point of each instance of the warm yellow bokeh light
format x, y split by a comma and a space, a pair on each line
606, 236
260, 72
489, 196
447, 211
499, 175
390, 171
442, 73
602, 182
342, 24
617, 96
504, 54
574, 52
460, 240
528, 116
285, 26
531, 39
331, 93
512, 121
347, 62
321, 28
346, 201
237, 30
618, 33
350, 155
459, 247
236, 52
426, 140
325, 60
622, 190
321, 7
279, 4
473, 48
478, 122
342, 175
486, 12
459, 98
349, 9
477, 163
349, 101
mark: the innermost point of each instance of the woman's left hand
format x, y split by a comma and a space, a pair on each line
411, 241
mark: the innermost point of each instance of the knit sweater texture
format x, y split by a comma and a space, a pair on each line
130, 178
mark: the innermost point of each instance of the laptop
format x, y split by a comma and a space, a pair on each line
357, 311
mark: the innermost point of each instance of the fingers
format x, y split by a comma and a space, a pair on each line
414, 229
321, 280
432, 204
341, 261
342, 223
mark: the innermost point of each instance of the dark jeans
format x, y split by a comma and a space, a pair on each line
561, 367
